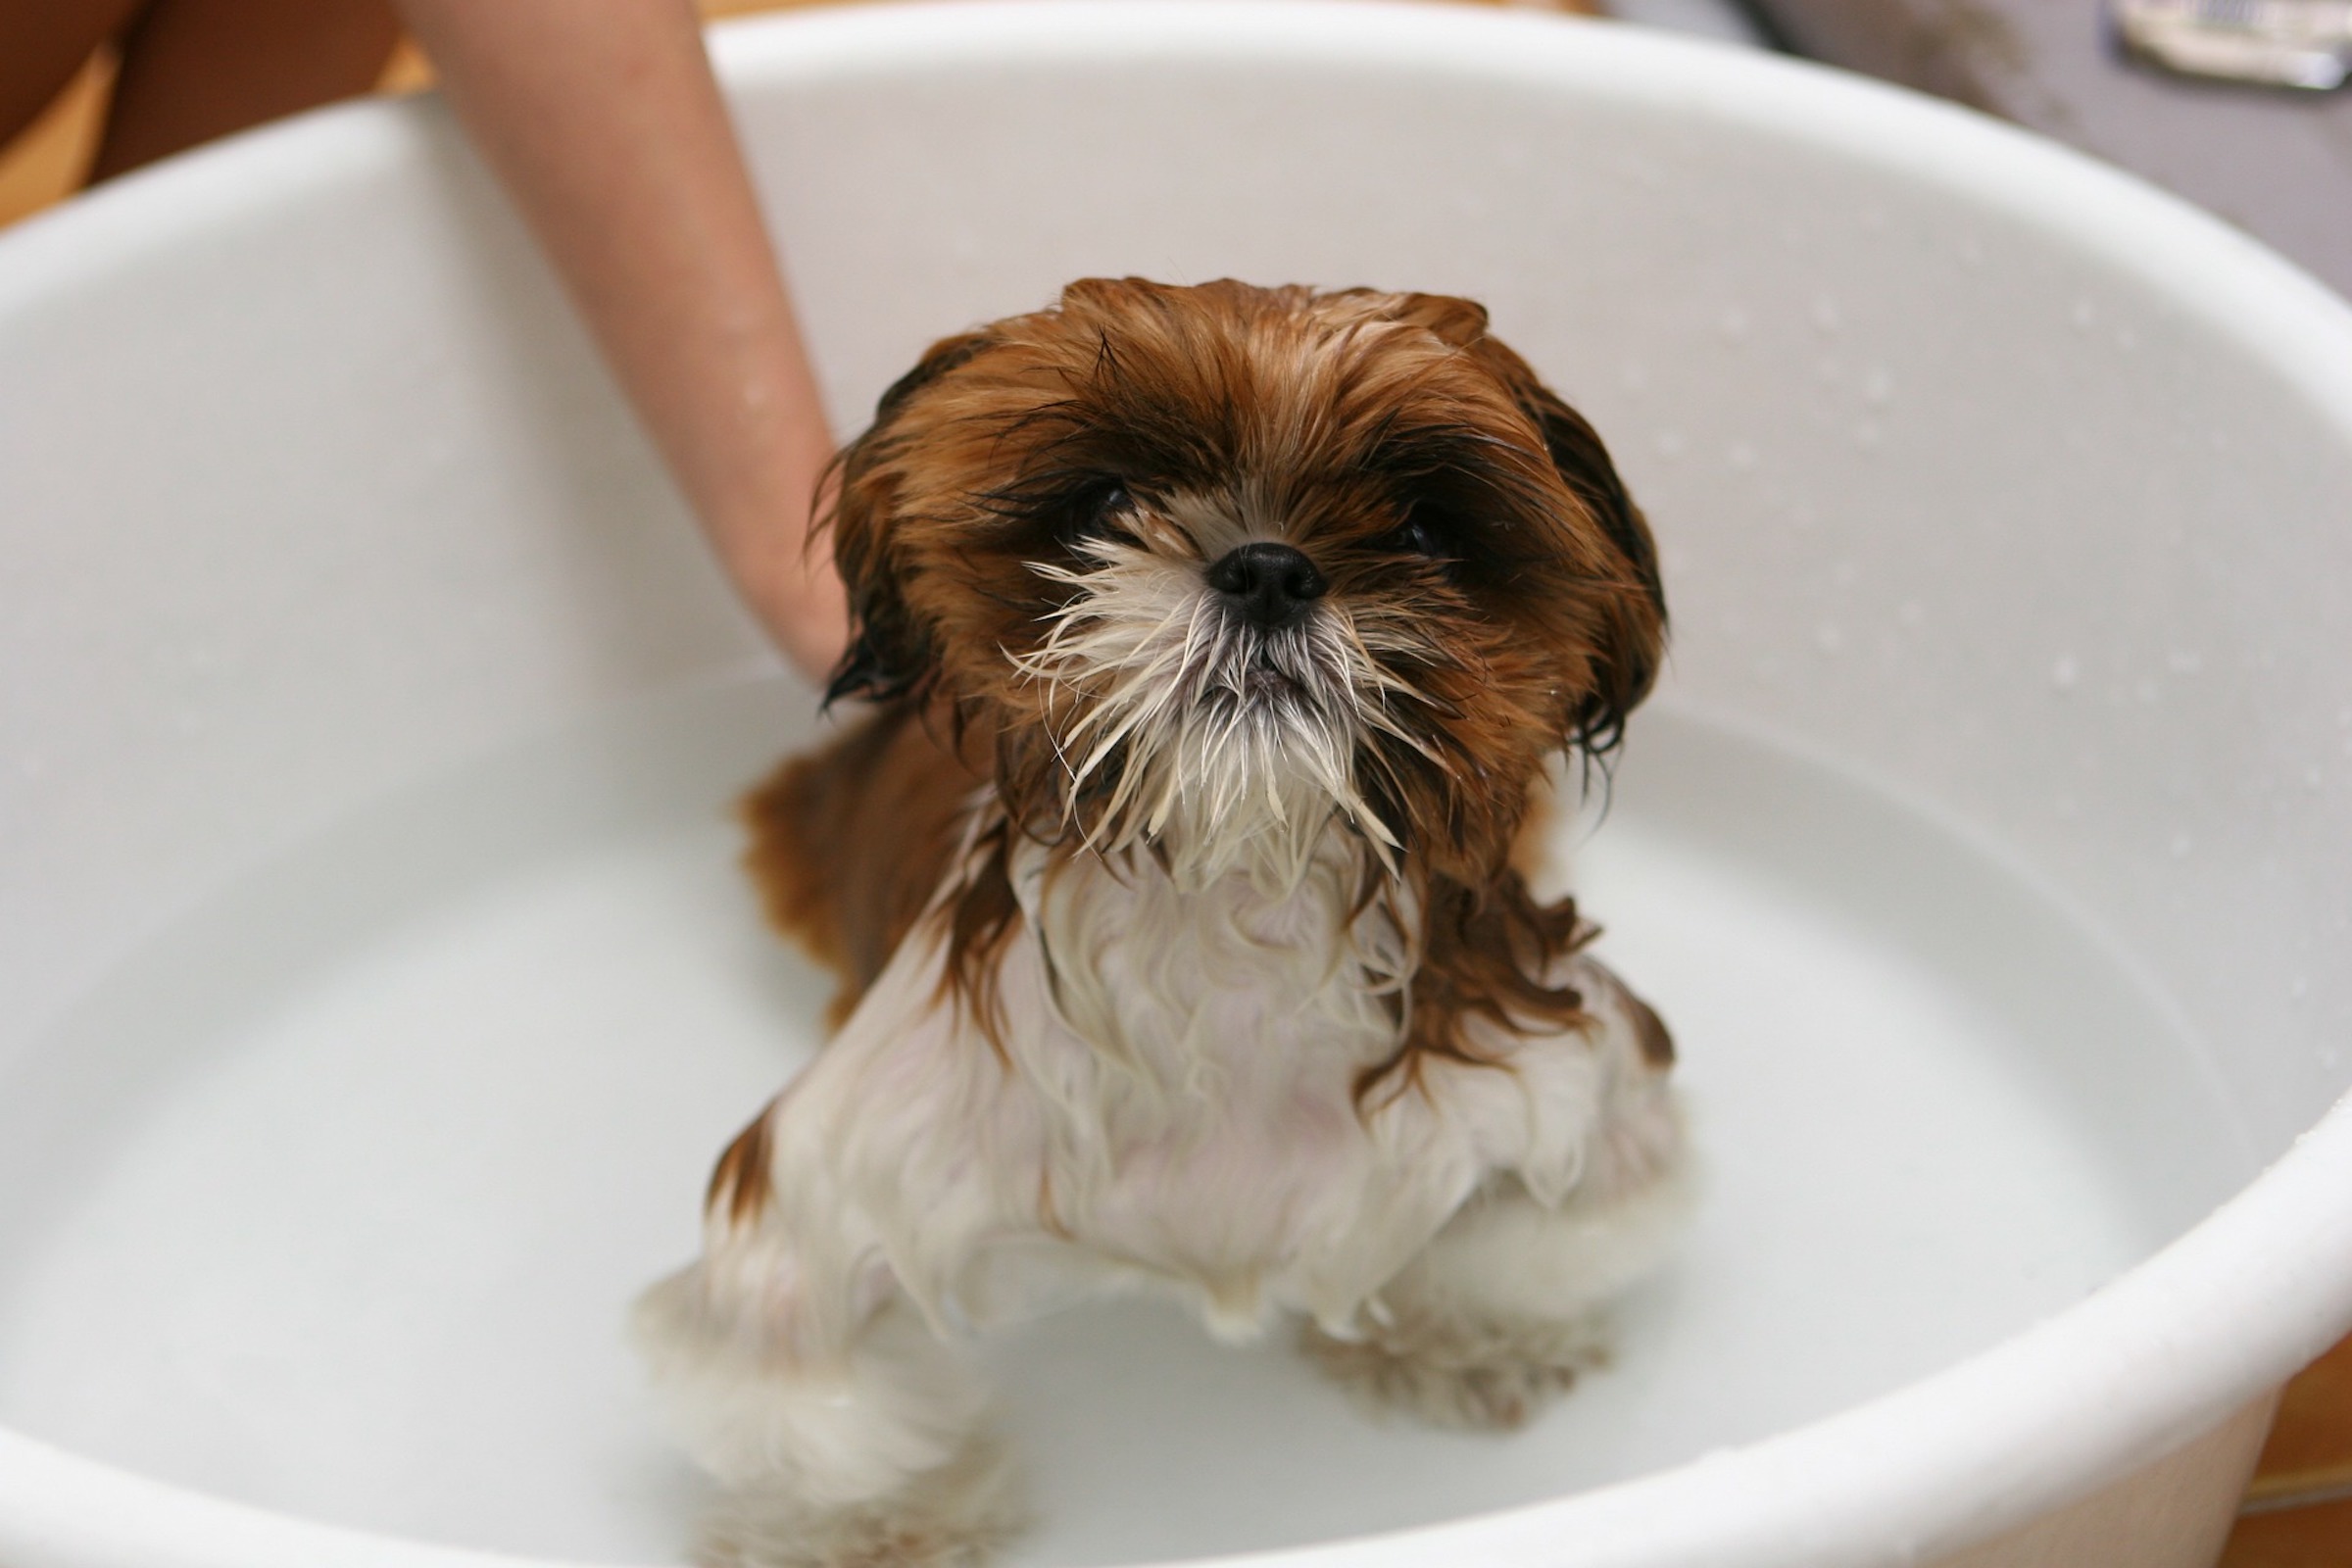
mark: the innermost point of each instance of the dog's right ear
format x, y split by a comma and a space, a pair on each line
889, 654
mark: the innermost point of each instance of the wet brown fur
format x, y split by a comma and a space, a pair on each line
1658, 1045
1340, 414
739, 1183
848, 844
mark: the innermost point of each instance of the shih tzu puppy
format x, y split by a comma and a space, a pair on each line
1219, 640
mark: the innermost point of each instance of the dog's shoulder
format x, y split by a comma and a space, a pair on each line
849, 843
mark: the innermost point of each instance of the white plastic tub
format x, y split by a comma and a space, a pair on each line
376, 985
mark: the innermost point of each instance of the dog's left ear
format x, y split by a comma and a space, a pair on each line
1634, 604
1634, 612
889, 654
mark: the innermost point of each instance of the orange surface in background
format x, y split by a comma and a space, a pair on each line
49, 160
2300, 1504
2319, 1537
2299, 1508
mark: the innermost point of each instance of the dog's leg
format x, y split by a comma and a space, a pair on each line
870, 1452
1503, 1308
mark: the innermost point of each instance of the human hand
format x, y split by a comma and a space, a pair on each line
604, 123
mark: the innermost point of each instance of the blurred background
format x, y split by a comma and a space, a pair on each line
2235, 105
93, 88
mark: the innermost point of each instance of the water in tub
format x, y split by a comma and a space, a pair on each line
333, 1199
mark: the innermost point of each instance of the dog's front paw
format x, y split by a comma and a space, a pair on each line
1481, 1377
957, 1516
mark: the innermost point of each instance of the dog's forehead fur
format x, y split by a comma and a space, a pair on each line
1301, 409
1279, 391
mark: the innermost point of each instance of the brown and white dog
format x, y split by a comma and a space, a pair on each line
1219, 640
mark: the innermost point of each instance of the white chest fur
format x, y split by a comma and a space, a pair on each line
1174, 1100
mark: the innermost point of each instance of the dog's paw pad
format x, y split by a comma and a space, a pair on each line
957, 1516
1484, 1379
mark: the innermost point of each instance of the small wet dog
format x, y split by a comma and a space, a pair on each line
1219, 641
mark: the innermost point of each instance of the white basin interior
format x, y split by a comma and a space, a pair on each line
487, 1033
377, 982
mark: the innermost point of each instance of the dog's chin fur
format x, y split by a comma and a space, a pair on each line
1227, 748
1180, 936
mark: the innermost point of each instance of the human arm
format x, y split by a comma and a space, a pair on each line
602, 120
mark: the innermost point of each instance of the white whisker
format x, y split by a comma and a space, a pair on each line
1229, 747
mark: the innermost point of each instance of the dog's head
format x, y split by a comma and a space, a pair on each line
1213, 566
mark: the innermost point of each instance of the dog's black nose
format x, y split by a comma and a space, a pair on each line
1271, 584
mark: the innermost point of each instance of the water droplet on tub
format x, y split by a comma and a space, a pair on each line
2065, 672
1826, 319
1827, 638
2181, 845
2299, 988
1845, 573
2082, 315
2126, 339
1866, 432
2148, 690
1733, 322
2313, 777
1877, 387
1911, 612
1670, 443
2184, 662
1739, 455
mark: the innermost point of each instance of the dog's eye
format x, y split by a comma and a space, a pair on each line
1426, 532
1097, 513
